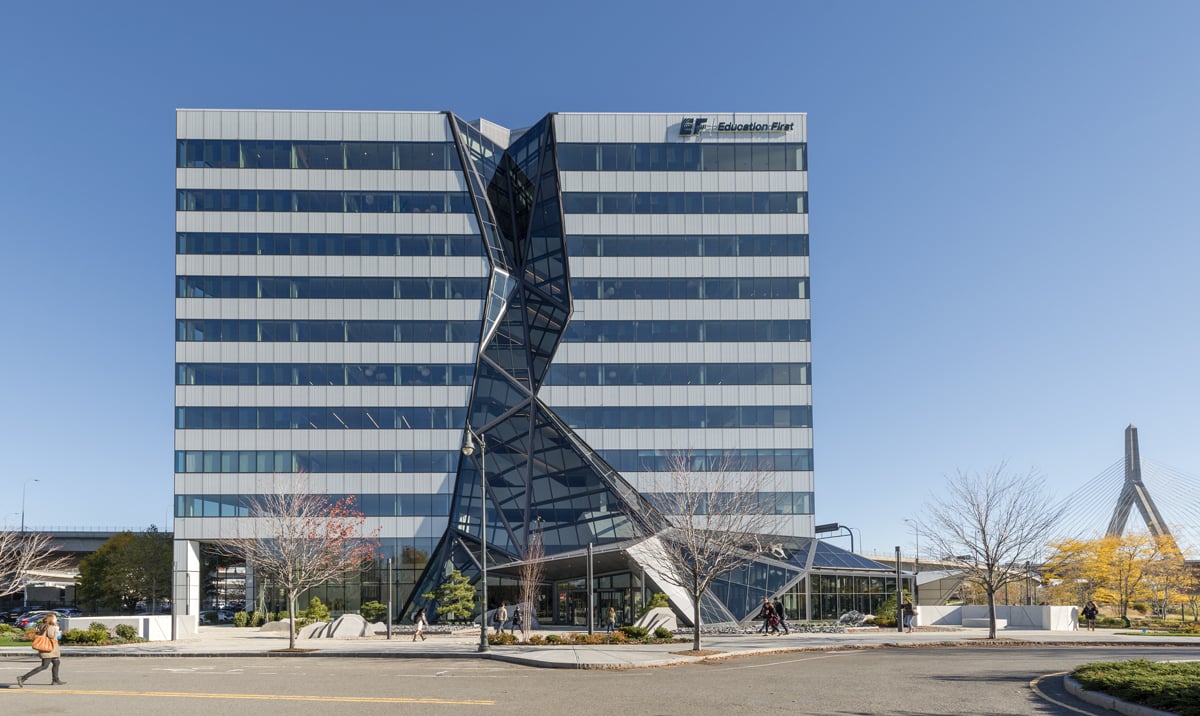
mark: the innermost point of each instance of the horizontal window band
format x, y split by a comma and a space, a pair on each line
680, 157
680, 245
195, 329
315, 461
664, 202
281, 417
329, 287
306, 374
767, 460
268, 244
679, 374
285, 154
293, 244
771, 503
392, 461
686, 331
687, 416
690, 288
408, 418
333, 202
368, 505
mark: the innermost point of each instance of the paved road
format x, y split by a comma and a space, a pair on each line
874, 681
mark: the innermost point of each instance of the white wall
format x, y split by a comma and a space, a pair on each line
1017, 617
151, 628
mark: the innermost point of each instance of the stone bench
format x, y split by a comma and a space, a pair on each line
982, 623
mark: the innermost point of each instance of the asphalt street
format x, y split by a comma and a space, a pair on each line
858, 681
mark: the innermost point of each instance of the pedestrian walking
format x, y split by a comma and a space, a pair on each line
764, 613
1090, 611
46, 642
779, 612
772, 620
610, 624
419, 621
500, 616
518, 619
910, 614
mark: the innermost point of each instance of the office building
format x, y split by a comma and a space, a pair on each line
589, 295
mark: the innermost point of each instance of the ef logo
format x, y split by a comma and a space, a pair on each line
691, 126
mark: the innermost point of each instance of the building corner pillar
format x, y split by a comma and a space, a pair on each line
185, 590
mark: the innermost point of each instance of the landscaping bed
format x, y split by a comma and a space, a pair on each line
1173, 687
624, 635
96, 634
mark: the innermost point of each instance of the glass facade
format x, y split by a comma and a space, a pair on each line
332, 374
263, 244
326, 287
677, 245
564, 373
614, 157
629, 312
332, 202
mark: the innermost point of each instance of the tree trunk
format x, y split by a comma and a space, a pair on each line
991, 614
696, 622
291, 619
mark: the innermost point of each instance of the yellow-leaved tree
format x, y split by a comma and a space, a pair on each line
1119, 570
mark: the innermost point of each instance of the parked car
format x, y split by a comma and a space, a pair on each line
30, 620
216, 616
13, 615
68, 612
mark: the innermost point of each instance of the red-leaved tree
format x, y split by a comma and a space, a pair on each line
299, 540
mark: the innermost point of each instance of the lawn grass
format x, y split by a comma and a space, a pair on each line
1170, 687
14, 642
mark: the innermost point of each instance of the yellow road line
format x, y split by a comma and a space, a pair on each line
1033, 684
259, 697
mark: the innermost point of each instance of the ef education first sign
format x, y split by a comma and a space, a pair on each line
695, 126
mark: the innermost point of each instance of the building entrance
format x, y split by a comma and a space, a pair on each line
622, 592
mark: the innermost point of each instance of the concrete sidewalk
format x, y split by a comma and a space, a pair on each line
225, 641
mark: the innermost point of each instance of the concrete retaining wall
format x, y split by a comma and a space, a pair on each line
150, 628
1016, 616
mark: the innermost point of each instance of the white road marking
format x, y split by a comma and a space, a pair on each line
789, 661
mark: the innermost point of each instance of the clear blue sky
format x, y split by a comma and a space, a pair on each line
1004, 211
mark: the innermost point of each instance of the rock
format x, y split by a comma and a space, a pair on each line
281, 625
349, 626
316, 630
659, 617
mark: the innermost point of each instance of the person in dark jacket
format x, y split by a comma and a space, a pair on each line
779, 612
1090, 611
764, 613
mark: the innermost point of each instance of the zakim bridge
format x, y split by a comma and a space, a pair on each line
1135, 496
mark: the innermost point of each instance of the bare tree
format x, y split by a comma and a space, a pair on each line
719, 522
23, 554
989, 524
300, 540
532, 570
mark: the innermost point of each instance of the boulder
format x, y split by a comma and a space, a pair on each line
316, 630
281, 625
658, 617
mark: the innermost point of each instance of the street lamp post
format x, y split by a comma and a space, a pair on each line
916, 558
23, 486
471, 441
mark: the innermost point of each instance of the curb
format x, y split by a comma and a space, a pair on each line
568, 663
1112, 703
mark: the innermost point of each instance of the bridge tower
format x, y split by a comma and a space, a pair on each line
1134, 492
